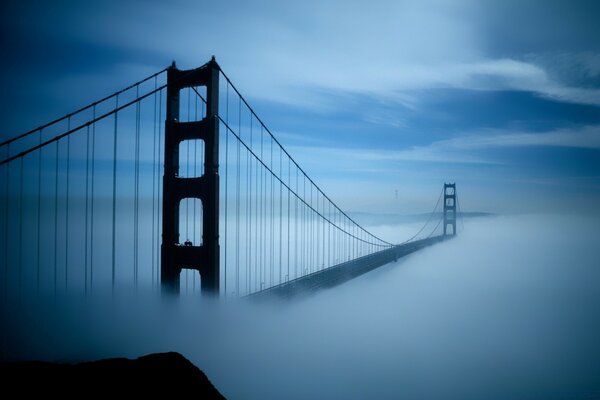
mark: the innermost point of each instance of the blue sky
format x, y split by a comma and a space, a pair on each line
370, 97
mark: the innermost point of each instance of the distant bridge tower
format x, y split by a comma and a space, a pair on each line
175, 257
449, 208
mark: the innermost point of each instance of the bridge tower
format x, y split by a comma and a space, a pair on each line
175, 256
449, 208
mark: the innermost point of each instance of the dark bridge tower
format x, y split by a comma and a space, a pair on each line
449, 208
175, 257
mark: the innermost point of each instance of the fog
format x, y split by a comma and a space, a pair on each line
507, 309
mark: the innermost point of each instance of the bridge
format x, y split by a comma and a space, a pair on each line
175, 182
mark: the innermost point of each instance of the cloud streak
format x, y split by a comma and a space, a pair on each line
380, 48
459, 149
587, 137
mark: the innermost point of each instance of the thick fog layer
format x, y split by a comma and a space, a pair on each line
508, 309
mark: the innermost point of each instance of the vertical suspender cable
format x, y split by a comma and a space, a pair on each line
304, 227
280, 215
335, 237
256, 253
153, 180
344, 238
318, 231
135, 184
6, 213
313, 243
249, 216
114, 196
309, 231
21, 204
260, 215
92, 202
39, 215
195, 158
67, 206
187, 174
288, 218
248, 212
296, 229
323, 240
345, 248
56, 221
137, 189
248, 193
159, 181
255, 213
267, 227
237, 204
353, 241
87, 187
263, 211
330, 236
302, 237
272, 242
226, 186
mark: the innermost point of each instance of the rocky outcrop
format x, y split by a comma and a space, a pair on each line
162, 374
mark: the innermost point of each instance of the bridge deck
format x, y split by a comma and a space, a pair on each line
345, 271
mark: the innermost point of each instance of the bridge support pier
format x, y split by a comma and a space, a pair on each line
449, 208
176, 256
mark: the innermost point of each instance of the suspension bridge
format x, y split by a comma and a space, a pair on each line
174, 182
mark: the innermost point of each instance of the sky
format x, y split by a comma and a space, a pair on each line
370, 97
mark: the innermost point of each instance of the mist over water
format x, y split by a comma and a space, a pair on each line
507, 309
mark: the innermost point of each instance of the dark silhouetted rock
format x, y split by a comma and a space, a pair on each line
164, 374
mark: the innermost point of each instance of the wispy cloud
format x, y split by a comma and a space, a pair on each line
365, 159
484, 74
585, 137
293, 54
461, 150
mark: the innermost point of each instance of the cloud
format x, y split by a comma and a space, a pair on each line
461, 149
363, 159
382, 47
293, 54
587, 137
484, 74
390, 50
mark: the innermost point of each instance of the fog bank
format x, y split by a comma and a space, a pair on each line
507, 309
